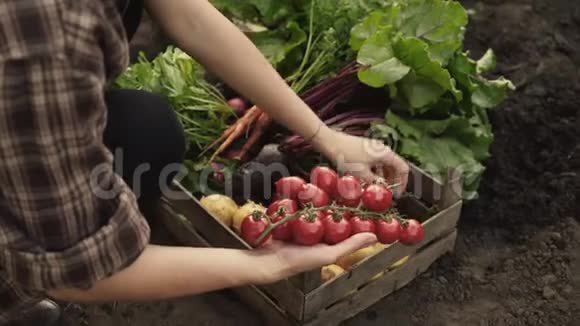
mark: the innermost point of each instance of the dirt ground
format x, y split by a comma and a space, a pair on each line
517, 260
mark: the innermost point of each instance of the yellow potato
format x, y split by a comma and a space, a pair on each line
346, 262
401, 262
247, 209
329, 272
376, 277
220, 206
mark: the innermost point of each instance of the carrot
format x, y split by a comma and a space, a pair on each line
235, 131
251, 115
259, 129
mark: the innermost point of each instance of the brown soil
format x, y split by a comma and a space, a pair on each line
517, 260
517, 257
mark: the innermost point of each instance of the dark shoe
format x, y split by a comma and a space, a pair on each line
44, 313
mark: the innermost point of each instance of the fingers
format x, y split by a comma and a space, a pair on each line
367, 175
374, 160
387, 164
352, 244
396, 172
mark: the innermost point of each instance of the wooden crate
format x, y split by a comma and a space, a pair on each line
304, 299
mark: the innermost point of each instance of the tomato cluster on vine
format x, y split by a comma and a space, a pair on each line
330, 209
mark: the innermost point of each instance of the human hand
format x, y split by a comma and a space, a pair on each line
366, 158
283, 260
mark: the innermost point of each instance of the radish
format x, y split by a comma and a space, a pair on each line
238, 105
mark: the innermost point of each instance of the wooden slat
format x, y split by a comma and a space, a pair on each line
387, 284
411, 206
288, 297
452, 190
423, 186
307, 281
264, 306
251, 295
333, 291
218, 235
180, 228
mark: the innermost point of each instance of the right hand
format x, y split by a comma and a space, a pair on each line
366, 158
285, 260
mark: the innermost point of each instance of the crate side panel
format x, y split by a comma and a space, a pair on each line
283, 291
333, 291
387, 284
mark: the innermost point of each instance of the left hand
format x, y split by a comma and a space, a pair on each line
282, 260
366, 158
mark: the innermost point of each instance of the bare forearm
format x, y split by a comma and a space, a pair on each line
203, 32
170, 272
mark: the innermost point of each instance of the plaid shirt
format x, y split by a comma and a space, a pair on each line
56, 228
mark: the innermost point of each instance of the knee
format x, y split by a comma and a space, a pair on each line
159, 148
163, 137
146, 128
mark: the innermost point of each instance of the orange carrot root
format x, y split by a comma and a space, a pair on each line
262, 124
235, 131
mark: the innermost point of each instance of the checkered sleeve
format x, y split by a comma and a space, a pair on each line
66, 218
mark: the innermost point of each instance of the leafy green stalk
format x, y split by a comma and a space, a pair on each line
440, 97
200, 106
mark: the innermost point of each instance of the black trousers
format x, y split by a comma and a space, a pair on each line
146, 137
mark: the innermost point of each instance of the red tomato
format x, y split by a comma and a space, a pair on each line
348, 215
311, 194
252, 228
325, 178
377, 198
288, 206
282, 232
336, 229
348, 203
348, 190
289, 187
308, 231
412, 233
278, 210
388, 231
360, 225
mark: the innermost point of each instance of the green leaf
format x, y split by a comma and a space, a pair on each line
385, 133
490, 94
436, 145
464, 70
483, 93
472, 134
371, 24
173, 74
439, 154
440, 23
430, 81
414, 53
273, 11
276, 45
416, 128
242, 10
419, 91
266, 12
382, 67
487, 62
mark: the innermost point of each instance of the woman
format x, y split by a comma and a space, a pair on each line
60, 237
